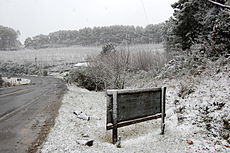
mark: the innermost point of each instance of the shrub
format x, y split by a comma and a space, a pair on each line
83, 78
1, 81
108, 69
10, 68
112, 67
45, 73
186, 88
107, 49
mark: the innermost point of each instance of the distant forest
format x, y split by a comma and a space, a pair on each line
194, 23
8, 38
97, 36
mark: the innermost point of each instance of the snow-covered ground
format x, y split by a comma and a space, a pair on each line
142, 137
194, 121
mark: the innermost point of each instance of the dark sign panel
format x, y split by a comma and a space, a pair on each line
125, 107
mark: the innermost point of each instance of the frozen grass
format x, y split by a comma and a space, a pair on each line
55, 56
146, 57
50, 56
144, 47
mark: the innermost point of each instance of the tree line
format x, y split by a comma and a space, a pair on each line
97, 36
203, 23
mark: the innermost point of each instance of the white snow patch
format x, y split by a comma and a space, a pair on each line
16, 81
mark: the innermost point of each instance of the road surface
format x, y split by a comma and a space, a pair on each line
27, 113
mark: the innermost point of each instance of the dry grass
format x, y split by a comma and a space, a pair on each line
147, 57
49, 56
55, 56
143, 47
114, 67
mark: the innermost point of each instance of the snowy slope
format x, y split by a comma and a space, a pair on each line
197, 118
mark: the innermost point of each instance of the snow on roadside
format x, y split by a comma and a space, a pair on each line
142, 137
194, 122
16, 81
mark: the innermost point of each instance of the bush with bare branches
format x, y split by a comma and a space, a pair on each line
113, 67
1, 80
110, 68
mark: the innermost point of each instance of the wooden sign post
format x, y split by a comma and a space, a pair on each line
125, 107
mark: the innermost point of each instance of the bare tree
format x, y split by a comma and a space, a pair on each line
110, 68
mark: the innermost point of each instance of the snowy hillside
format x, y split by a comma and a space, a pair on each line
197, 117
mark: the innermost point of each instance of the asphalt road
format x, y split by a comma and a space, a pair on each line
27, 113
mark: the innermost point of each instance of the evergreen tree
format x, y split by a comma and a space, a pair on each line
203, 22
187, 26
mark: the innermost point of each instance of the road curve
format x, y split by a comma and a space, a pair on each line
27, 113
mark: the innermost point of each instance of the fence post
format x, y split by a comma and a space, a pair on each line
114, 117
163, 110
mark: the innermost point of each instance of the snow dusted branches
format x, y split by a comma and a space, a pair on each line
219, 4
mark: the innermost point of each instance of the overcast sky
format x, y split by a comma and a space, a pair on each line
33, 17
